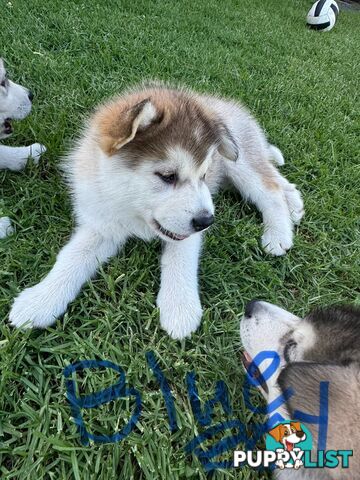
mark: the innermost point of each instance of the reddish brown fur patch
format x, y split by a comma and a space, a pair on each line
114, 123
180, 121
268, 174
270, 183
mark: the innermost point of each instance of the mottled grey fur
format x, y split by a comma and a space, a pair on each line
322, 347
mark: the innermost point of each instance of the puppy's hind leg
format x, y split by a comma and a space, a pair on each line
292, 194
294, 201
261, 183
276, 155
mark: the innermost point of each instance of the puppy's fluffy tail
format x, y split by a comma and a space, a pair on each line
276, 155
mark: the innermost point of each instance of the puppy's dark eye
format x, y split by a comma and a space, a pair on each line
289, 350
170, 178
3, 83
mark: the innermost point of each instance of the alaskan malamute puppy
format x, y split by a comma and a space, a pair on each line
146, 166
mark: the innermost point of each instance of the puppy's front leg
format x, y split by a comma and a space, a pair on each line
39, 306
178, 298
15, 158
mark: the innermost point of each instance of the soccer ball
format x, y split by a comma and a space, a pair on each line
322, 15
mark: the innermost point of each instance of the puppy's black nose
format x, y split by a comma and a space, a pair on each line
249, 308
200, 223
31, 96
299, 433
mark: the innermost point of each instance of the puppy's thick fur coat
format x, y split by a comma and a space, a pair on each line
322, 347
146, 166
15, 104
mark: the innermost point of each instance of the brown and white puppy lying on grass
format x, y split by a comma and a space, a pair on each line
15, 104
146, 166
322, 347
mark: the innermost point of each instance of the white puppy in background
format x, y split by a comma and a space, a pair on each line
15, 104
323, 348
146, 166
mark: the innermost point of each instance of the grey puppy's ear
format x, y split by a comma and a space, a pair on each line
341, 392
227, 146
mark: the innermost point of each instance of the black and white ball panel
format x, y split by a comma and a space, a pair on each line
322, 15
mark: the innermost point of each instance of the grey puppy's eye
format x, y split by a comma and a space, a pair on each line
289, 350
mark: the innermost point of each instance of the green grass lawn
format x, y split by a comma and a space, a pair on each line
303, 86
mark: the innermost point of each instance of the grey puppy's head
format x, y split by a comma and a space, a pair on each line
326, 335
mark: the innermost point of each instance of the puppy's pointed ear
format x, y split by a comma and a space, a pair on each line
118, 124
227, 146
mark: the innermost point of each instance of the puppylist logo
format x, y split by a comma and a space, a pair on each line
288, 445
285, 447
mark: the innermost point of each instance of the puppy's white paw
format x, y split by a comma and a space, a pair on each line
5, 227
36, 150
295, 203
277, 242
34, 307
179, 316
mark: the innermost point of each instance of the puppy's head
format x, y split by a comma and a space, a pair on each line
326, 343
15, 102
328, 335
166, 141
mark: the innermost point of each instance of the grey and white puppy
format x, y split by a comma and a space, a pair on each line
15, 104
322, 347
